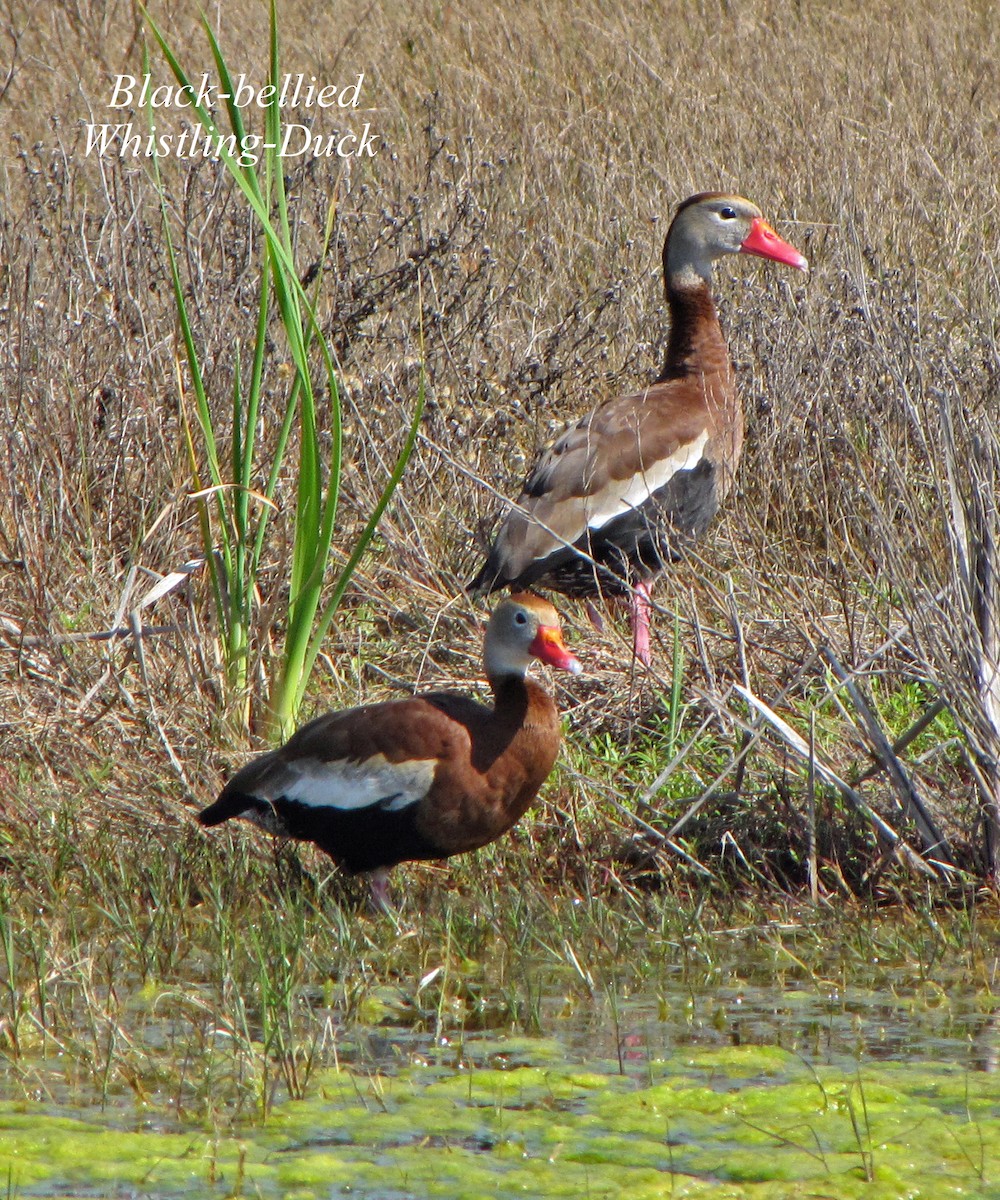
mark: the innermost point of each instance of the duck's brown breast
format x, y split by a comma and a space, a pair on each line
476, 799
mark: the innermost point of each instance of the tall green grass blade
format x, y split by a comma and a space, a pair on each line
364, 540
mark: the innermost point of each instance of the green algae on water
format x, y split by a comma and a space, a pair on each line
722, 1122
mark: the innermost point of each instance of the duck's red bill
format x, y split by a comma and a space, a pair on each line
549, 647
765, 243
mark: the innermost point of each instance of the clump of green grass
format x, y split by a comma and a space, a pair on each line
242, 515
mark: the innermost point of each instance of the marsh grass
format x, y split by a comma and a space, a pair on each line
227, 982
231, 983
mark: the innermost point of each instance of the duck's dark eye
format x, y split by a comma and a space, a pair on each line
727, 213
521, 617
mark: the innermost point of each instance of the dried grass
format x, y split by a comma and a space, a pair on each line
531, 161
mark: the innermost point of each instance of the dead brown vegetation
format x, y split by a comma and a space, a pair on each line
530, 162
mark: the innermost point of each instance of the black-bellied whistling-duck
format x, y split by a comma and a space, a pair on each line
419, 778
621, 491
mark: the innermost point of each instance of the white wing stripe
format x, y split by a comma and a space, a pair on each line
356, 785
641, 486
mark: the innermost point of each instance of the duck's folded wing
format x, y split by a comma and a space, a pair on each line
380, 756
608, 464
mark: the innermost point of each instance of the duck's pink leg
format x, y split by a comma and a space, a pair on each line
595, 617
640, 621
378, 885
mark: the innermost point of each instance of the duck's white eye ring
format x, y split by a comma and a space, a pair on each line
521, 617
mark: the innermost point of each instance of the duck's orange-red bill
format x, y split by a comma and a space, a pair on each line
549, 647
764, 242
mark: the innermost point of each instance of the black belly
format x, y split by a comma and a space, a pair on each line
638, 544
357, 839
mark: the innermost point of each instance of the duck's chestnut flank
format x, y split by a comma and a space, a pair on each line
619, 493
418, 778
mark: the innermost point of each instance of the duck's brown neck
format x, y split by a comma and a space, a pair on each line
519, 701
508, 690
696, 345
520, 707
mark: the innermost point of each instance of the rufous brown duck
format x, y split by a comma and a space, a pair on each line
619, 494
423, 777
